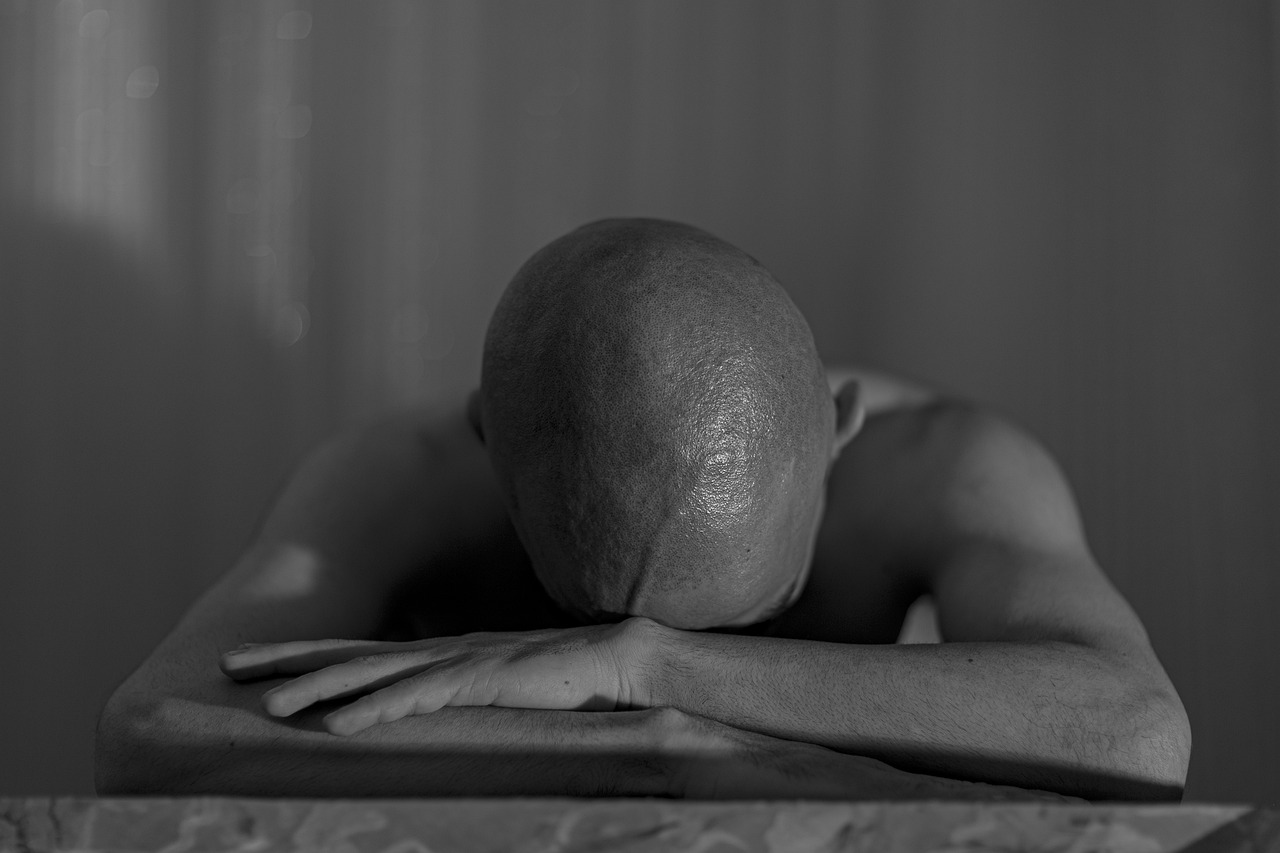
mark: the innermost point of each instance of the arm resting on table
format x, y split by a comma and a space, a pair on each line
183, 748
1047, 678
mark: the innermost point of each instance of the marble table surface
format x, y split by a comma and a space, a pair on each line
553, 825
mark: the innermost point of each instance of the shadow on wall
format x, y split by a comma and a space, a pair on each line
92, 361
98, 510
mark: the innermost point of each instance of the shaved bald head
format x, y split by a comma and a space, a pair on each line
660, 424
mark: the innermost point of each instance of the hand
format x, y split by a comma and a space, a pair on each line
591, 668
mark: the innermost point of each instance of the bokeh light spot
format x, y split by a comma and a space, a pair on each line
143, 82
292, 322
94, 25
294, 25
294, 122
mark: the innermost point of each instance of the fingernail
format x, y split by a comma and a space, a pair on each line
335, 725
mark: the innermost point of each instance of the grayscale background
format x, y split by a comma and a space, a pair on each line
228, 229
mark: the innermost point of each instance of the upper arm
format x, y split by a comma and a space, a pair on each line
359, 515
1012, 565
1009, 557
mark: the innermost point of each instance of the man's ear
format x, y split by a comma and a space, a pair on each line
473, 414
850, 415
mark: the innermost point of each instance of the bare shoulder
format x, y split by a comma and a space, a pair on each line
976, 512
925, 480
943, 472
993, 481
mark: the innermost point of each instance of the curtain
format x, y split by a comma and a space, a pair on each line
228, 229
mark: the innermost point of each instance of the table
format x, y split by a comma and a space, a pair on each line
551, 825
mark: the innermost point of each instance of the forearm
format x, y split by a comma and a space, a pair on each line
1049, 716
206, 735
185, 747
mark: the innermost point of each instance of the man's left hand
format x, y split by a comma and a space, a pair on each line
590, 668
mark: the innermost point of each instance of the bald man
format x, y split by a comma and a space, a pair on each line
661, 551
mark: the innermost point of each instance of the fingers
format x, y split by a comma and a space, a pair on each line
358, 675
417, 695
267, 659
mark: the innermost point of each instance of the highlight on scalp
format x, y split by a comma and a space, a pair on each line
659, 422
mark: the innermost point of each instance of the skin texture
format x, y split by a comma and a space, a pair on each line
660, 423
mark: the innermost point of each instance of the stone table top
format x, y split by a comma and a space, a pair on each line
553, 825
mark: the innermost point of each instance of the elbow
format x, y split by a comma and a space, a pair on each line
128, 758
1164, 744
111, 749
1150, 763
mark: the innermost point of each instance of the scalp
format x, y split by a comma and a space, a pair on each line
652, 401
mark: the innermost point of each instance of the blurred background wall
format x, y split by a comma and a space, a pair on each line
231, 228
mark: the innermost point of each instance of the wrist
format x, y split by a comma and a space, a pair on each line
645, 662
